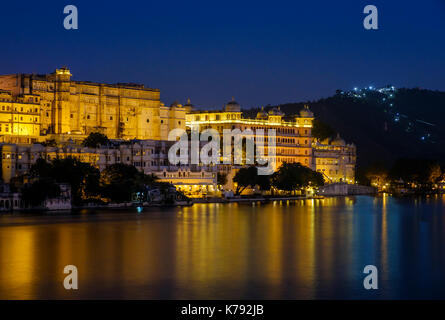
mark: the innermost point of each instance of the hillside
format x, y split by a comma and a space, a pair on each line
385, 123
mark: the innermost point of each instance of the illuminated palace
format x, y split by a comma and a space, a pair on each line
20, 115
335, 159
293, 139
37, 108
77, 108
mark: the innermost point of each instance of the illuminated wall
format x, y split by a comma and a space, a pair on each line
293, 138
336, 160
124, 111
19, 117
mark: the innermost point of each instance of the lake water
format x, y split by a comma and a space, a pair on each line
308, 249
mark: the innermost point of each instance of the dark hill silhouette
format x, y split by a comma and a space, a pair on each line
384, 126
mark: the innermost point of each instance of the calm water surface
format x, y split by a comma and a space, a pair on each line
283, 250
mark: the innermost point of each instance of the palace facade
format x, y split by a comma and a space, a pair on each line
334, 158
20, 116
68, 107
36, 108
293, 138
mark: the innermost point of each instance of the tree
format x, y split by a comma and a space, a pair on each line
376, 174
82, 177
293, 176
221, 179
321, 130
244, 178
49, 143
316, 179
248, 177
419, 171
95, 139
119, 181
35, 193
40, 169
263, 182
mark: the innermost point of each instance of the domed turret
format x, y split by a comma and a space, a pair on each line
176, 104
276, 112
189, 107
262, 114
233, 106
338, 141
306, 112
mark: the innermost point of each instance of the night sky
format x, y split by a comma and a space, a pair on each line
259, 52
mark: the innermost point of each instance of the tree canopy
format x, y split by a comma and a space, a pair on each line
322, 130
289, 177
119, 181
83, 177
294, 176
245, 177
95, 139
221, 178
35, 193
49, 143
421, 171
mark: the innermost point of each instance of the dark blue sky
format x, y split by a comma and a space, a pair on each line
260, 52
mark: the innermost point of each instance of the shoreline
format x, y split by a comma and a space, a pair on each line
126, 205
256, 199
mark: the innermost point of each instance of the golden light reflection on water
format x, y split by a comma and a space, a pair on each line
384, 231
291, 249
17, 273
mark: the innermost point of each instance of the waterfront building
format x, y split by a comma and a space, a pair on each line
293, 137
19, 117
77, 108
9, 200
345, 189
335, 159
37, 108
149, 156
62, 201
